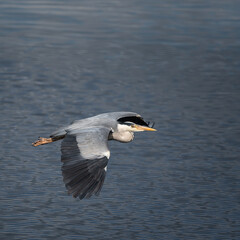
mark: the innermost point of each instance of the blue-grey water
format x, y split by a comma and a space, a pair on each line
177, 63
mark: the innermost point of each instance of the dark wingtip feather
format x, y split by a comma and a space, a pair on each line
84, 178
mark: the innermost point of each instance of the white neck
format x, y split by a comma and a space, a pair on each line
123, 133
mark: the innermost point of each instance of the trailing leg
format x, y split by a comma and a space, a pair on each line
42, 141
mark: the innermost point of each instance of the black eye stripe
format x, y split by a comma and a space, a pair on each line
133, 119
128, 123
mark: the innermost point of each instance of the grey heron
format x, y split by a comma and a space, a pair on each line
84, 149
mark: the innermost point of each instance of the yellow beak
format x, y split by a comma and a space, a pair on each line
143, 128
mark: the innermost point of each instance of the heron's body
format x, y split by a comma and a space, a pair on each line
85, 150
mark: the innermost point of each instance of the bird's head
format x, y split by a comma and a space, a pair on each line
133, 127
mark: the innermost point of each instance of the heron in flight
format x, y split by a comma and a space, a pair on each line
85, 150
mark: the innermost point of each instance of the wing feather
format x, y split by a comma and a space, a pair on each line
85, 157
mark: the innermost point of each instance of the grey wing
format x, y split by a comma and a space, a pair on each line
85, 157
104, 119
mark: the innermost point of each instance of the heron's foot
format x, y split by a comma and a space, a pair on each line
42, 141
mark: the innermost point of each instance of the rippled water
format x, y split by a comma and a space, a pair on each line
174, 62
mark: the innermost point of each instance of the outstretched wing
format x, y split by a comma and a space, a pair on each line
85, 156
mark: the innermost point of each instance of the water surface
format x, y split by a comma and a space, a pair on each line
175, 63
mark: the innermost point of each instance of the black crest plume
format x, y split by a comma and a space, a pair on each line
134, 119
